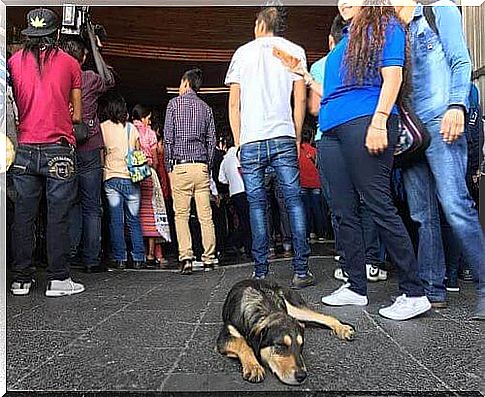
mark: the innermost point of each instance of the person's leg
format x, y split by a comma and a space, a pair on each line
200, 176
423, 207
371, 176
317, 213
242, 209
285, 228
284, 160
28, 185
90, 174
306, 197
339, 185
452, 251
58, 166
254, 160
448, 164
327, 196
132, 199
182, 192
115, 199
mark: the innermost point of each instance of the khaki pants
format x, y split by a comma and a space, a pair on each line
192, 180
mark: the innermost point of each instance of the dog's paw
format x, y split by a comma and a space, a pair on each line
253, 373
345, 332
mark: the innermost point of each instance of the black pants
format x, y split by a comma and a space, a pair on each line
242, 209
352, 172
54, 166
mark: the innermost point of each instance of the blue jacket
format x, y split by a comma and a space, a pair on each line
441, 64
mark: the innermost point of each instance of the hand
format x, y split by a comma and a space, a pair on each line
217, 199
376, 139
298, 149
452, 125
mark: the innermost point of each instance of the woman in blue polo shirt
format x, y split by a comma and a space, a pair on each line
358, 118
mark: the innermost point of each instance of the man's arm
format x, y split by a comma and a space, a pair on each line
168, 135
76, 102
299, 99
211, 138
235, 112
103, 69
449, 24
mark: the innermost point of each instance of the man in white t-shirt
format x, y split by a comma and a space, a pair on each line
268, 132
230, 173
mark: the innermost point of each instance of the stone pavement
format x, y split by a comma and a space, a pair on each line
156, 330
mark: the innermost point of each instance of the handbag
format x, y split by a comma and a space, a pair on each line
413, 139
81, 132
136, 162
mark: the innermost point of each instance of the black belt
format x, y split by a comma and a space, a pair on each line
177, 162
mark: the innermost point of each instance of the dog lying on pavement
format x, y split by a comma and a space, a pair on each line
264, 326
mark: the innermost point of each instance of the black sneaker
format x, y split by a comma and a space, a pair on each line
186, 267
138, 265
452, 284
466, 275
21, 288
95, 269
302, 281
120, 265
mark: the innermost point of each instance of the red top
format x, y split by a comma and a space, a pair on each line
43, 98
162, 173
309, 176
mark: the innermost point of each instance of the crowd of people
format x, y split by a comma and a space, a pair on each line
286, 177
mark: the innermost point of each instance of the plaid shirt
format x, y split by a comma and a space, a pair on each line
189, 131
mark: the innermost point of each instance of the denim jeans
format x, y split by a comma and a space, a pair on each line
87, 213
316, 221
443, 179
124, 202
34, 166
281, 154
352, 174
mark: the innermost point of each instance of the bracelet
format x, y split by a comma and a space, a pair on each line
382, 112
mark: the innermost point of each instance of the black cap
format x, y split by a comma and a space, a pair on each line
41, 22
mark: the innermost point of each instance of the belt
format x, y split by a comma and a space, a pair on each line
177, 162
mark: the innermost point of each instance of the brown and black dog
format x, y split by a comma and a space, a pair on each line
264, 326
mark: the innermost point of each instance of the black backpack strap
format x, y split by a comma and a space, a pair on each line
430, 18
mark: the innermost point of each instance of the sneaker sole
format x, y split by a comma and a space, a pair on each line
453, 289
344, 304
57, 294
20, 292
416, 314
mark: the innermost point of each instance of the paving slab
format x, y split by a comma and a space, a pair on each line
156, 330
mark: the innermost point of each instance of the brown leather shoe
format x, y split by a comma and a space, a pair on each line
186, 268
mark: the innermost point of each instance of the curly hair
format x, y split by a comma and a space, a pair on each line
367, 40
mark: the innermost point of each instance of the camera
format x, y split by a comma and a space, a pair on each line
75, 22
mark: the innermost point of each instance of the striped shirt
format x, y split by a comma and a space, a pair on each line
189, 132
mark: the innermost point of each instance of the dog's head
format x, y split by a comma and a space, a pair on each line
281, 346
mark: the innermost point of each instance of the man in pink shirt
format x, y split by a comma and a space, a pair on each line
45, 81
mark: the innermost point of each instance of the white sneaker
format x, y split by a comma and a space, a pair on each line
57, 288
372, 272
339, 274
336, 258
405, 308
382, 275
20, 288
344, 296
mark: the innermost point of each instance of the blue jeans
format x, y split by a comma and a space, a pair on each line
34, 166
86, 217
316, 222
281, 154
352, 174
443, 178
124, 202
